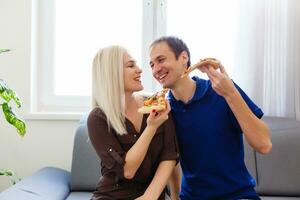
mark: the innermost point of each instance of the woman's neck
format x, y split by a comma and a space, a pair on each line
131, 103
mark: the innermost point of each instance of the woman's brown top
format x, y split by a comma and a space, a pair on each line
112, 148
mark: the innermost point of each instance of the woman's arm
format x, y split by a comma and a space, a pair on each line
108, 148
175, 182
137, 152
168, 158
159, 180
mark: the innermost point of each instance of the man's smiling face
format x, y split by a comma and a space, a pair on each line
166, 69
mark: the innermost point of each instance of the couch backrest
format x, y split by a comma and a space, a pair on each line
279, 171
85, 170
250, 159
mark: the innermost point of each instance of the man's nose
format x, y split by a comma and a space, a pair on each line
156, 68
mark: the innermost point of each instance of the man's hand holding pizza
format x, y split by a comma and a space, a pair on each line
220, 80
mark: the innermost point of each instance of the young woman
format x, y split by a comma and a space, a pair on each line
138, 152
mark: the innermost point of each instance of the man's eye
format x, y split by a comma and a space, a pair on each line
161, 60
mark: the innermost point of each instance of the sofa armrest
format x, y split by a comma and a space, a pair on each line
46, 184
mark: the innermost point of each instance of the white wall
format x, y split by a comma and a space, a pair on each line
47, 142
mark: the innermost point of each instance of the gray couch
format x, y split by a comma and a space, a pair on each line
277, 174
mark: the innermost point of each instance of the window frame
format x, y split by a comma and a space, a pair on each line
43, 99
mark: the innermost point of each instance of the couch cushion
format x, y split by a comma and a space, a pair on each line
79, 196
85, 171
48, 183
88, 195
279, 171
279, 198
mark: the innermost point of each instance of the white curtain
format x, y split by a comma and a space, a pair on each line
268, 55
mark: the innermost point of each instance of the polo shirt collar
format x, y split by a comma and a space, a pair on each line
201, 88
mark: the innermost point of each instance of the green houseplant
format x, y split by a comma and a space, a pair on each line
6, 95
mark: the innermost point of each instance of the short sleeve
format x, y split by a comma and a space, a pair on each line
105, 143
253, 107
170, 147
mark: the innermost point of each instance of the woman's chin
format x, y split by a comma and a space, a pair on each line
139, 88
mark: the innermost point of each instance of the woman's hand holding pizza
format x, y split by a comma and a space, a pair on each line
156, 118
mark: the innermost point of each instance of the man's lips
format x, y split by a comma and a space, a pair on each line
162, 76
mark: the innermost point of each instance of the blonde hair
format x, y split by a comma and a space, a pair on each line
108, 86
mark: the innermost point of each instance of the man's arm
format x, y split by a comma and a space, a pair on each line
255, 130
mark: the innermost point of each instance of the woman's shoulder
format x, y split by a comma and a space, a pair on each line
96, 113
96, 121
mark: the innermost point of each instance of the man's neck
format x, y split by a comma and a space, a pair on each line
184, 89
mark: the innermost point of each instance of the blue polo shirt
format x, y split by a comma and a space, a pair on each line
211, 146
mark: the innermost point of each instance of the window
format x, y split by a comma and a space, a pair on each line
69, 33
209, 28
81, 28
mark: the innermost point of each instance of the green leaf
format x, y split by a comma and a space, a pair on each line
4, 50
12, 118
5, 172
7, 94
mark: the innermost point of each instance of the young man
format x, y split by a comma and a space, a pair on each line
211, 117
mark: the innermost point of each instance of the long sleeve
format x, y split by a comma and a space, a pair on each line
105, 143
170, 146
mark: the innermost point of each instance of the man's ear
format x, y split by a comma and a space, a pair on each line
184, 57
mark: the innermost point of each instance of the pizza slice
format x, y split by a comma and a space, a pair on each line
155, 102
206, 61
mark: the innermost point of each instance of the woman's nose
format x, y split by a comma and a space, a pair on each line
139, 70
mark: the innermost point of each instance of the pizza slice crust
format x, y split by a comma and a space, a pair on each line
148, 109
